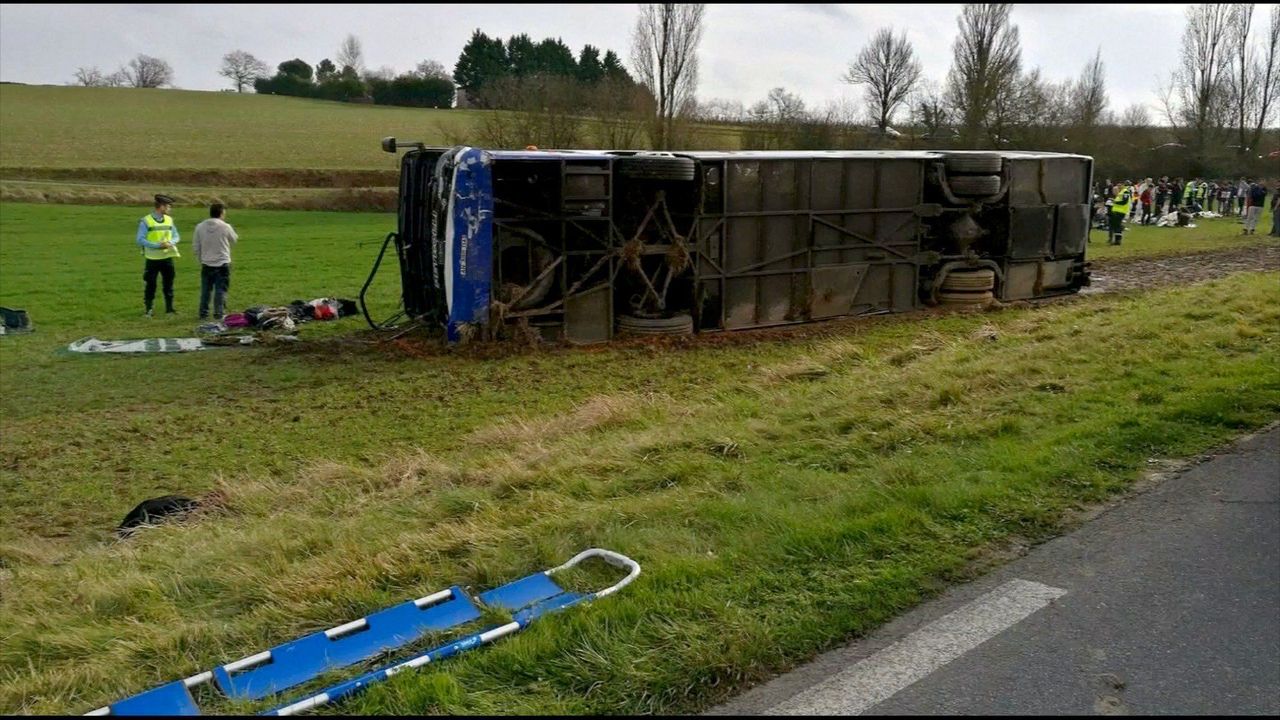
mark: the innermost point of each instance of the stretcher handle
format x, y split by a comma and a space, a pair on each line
616, 559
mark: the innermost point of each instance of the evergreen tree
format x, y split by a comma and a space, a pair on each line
295, 68
555, 58
589, 68
522, 55
613, 68
325, 69
293, 77
483, 60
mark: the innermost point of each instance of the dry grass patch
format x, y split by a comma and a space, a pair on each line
599, 412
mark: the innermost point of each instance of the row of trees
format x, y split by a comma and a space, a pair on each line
142, 71
1217, 104
1225, 89
495, 74
488, 68
538, 94
425, 86
346, 79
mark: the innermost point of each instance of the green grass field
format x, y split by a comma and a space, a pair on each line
46, 126
112, 128
782, 495
1148, 241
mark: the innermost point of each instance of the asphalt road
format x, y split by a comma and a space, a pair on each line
1166, 603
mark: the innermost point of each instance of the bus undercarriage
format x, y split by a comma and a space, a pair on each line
582, 245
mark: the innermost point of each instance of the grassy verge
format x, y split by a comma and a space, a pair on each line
361, 199
195, 177
782, 496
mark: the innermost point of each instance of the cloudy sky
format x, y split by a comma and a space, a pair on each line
746, 49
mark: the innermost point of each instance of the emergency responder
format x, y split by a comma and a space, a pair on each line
158, 238
1120, 204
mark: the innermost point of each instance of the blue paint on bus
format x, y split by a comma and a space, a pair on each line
470, 238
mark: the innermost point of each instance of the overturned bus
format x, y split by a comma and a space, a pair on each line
580, 246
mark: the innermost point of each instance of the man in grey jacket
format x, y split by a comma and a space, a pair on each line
214, 238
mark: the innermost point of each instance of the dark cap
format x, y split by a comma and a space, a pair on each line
164, 200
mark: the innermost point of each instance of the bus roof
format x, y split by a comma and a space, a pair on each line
777, 154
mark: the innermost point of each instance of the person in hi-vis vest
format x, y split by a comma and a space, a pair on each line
1120, 203
158, 238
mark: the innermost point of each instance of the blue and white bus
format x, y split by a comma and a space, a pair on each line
578, 245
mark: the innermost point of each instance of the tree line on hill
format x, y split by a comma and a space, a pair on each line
1215, 114
493, 73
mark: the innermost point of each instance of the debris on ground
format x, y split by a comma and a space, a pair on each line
1110, 275
156, 510
91, 345
259, 324
282, 318
986, 333
14, 321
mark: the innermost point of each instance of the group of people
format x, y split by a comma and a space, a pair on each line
1146, 201
158, 237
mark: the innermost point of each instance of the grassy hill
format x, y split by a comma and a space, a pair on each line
60, 127
118, 146
49, 127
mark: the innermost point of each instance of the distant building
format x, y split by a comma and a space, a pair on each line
460, 99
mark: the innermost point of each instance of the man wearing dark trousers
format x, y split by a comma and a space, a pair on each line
1120, 205
214, 238
158, 238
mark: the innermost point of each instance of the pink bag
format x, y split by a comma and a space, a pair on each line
236, 320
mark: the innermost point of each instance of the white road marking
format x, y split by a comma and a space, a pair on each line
881, 676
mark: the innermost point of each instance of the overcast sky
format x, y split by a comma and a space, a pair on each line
746, 49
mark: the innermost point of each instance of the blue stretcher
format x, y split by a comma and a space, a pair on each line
293, 663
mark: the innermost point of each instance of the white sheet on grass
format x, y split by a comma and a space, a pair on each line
149, 345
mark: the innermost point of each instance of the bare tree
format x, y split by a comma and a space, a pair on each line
1193, 101
242, 69
772, 121
88, 77
93, 77
1255, 76
1083, 106
350, 53
931, 114
546, 111
664, 51
432, 69
620, 111
1089, 94
988, 58
1136, 131
888, 68
1243, 87
145, 71
1033, 114
720, 110
1267, 69
386, 72
779, 106
1135, 116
